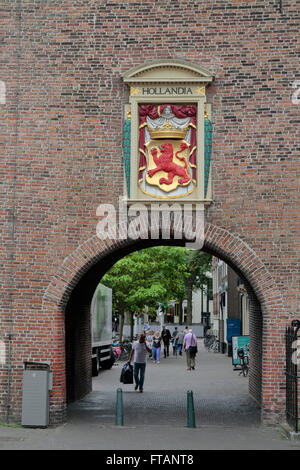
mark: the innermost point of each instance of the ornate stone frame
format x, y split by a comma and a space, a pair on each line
158, 76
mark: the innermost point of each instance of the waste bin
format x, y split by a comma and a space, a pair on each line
37, 381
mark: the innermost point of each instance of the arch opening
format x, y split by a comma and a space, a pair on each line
78, 327
71, 290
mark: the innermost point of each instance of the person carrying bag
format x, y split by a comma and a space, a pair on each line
139, 353
191, 349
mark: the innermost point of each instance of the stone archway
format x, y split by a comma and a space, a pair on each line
266, 310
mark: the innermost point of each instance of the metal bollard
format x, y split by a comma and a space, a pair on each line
190, 410
119, 408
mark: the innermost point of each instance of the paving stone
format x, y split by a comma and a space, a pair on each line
220, 395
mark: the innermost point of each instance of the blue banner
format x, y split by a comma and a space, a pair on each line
233, 328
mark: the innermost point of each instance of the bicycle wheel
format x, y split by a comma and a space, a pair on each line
124, 355
116, 356
128, 347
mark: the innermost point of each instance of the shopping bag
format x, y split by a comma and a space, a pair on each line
127, 374
193, 350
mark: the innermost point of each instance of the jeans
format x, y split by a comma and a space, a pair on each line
156, 354
139, 373
166, 349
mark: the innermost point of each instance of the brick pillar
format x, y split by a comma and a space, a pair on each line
255, 330
78, 350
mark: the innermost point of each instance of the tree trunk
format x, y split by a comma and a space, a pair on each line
131, 326
189, 292
121, 326
207, 295
180, 311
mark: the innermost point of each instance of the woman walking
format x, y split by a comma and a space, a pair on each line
156, 346
139, 352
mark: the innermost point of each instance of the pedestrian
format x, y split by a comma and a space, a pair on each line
174, 341
139, 351
156, 346
190, 343
149, 342
180, 340
166, 337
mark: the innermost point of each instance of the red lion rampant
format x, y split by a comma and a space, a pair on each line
165, 163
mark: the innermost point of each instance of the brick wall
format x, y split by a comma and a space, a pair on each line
62, 129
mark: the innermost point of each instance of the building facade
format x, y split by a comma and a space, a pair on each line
230, 302
68, 74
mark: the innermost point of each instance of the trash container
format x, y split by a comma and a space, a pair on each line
37, 381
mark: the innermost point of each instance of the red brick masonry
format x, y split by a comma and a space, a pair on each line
62, 156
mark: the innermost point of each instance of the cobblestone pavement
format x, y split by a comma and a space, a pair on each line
226, 417
220, 394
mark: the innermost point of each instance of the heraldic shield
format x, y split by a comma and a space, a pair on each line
167, 147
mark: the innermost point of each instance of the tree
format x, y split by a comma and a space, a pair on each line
155, 275
145, 278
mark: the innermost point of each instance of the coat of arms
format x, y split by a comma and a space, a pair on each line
167, 147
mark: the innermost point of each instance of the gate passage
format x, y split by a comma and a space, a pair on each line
292, 379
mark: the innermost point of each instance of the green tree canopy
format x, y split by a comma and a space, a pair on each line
155, 275
147, 277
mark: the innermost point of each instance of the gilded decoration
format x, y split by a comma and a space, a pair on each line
168, 119
167, 146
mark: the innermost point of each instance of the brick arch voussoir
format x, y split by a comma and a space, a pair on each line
238, 254
218, 241
75, 265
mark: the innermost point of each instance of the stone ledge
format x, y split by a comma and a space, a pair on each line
287, 431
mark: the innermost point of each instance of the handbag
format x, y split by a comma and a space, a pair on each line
193, 349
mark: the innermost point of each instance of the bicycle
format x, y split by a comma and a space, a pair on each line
122, 350
214, 346
208, 339
126, 347
244, 362
211, 343
117, 351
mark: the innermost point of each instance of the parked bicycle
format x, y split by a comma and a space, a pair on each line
116, 351
122, 350
126, 347
211, 342
208, 338
244, 362
214, 345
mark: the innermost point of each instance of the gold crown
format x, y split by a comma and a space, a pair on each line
167, 131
